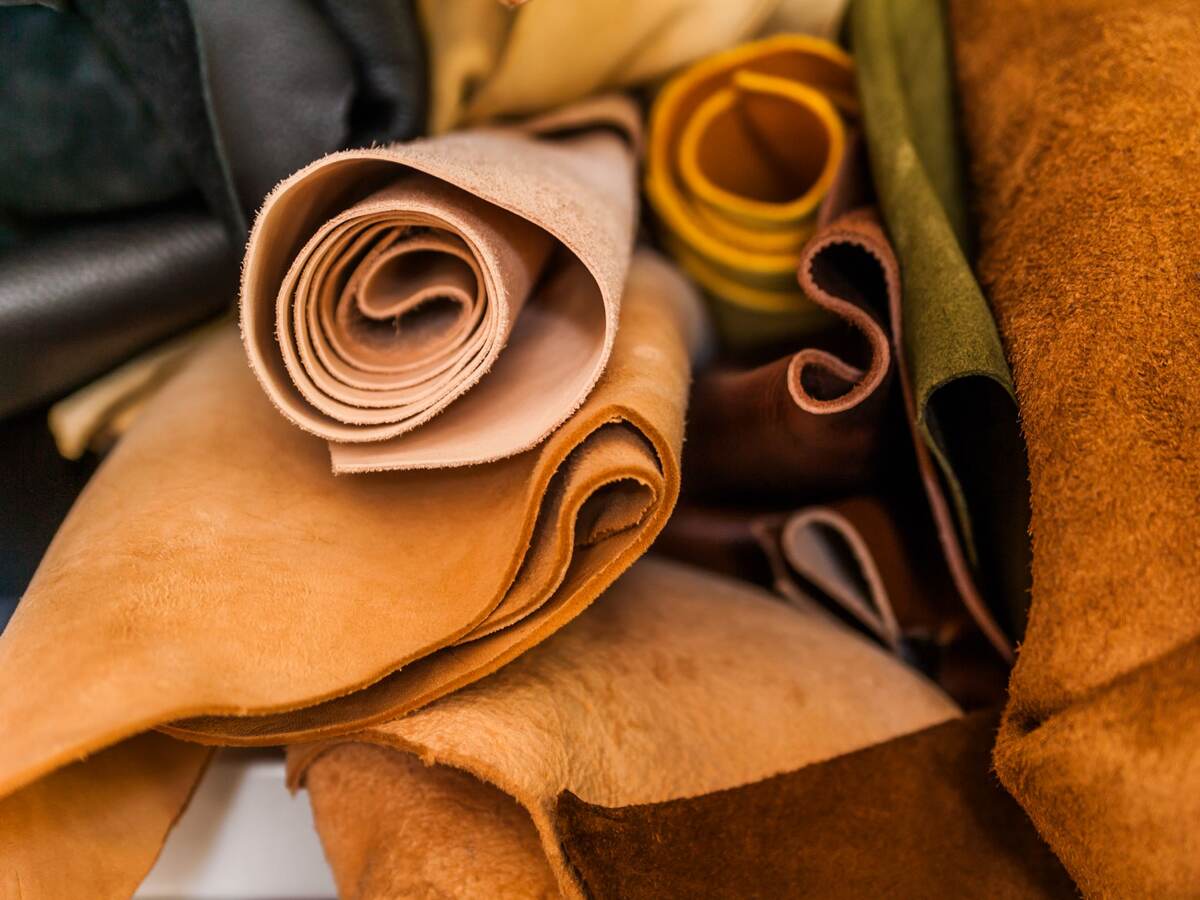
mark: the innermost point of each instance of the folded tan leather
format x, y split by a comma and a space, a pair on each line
743, 147
1080, 122
678, 682
918, 816
487, 61
94, 828
448, 301
215, 566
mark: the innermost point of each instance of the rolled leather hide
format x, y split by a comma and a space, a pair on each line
216, 567
449, 301
678, 682
743, 147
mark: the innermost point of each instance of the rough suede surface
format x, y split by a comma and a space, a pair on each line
961, 384
675, 683
1080, 118
916, 817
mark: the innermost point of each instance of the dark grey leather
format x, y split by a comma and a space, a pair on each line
75, 302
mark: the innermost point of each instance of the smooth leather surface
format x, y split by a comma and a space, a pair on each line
95, 827
77, 301
1078, 120
743, 147
381, 287
219, 536
970, 447
675, 683
489, 62
915, 817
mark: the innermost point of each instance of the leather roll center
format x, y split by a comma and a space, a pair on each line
762, 146
423, 292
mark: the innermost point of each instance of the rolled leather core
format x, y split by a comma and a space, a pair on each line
744, 146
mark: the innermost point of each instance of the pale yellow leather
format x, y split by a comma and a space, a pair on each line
95, 416
743, 147
488, 62
214, 565
94, 828
677, 682
449, 301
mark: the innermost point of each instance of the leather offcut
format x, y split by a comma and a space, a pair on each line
394, 298
219, 536
652, 695
743, 148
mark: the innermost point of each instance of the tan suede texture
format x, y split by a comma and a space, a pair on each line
677, 682
1080, 119
94, 828
447, 301
214, 565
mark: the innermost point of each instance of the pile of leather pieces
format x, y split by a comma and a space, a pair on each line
750, 451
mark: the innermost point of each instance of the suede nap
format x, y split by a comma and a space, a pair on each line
916, 817
743, 147
94, 828
214, 566
961, 388
677, 682
449, 301
1080, 119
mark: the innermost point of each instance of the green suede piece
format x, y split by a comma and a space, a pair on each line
962, 386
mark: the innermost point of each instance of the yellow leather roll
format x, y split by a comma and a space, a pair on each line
744, 147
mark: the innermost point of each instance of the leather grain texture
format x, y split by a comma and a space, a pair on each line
214, 536
1079, 119
676, 682
382, 285
915, 817
962, 394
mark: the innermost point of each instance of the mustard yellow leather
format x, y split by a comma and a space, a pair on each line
744, 147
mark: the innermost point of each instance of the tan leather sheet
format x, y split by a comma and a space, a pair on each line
94, 828
447, 301
678, 682
214, 565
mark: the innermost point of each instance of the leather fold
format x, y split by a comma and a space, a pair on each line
216, 567
678, 682
99, 822
743, 148
488, 62
814, 422
449, 301
960, 395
